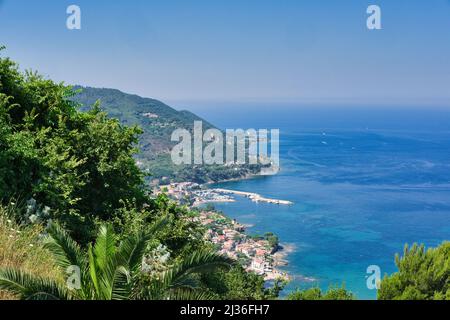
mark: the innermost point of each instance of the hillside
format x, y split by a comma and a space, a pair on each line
158, 121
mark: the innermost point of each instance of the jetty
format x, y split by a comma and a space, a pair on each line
253, 196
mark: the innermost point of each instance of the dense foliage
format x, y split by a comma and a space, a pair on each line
422, 275
111, 271
317, 294
237, 284
79, 166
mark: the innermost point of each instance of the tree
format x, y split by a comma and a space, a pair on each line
317, 294
238, 284
79, 165
272, 239
422, 275
112, 272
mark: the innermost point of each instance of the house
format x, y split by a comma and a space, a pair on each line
258, 265
260, 252
229, 245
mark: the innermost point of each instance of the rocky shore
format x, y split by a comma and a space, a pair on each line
256, 254
259, 254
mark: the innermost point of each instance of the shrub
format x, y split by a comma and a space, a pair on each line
422, 275
317, 294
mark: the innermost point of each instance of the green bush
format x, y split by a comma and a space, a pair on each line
78, 165
422, 275
317, 294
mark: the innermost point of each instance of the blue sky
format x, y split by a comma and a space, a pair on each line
202, 51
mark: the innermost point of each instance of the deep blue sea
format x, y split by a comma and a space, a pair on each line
364, 184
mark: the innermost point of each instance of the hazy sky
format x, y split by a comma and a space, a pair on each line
240, 50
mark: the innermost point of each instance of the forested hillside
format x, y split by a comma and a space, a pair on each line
157, 121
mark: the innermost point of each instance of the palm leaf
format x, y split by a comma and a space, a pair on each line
105, 246
177, 282
121, 286
28, 287
93, 271
103, 262
129, 259
64, 249
132, 250
189, 295
198, 262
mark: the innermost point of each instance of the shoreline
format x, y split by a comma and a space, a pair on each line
255, 253
280, 256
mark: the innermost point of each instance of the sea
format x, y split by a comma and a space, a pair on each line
364, 180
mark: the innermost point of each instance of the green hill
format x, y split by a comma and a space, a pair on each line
158, 121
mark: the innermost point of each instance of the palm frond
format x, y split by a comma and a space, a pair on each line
103, 262
198, 262
177, 282
93, 271
121, 285
108, 264
64, 249
28, 287
129, 258
184, 294
105, 246
132, 249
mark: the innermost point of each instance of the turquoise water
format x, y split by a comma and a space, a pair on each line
359, 194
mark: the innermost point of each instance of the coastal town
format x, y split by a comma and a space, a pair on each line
196, 195
259, 254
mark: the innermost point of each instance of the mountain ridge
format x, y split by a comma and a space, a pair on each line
158, 120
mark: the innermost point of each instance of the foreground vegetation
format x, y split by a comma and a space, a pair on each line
422, 275
108, 271
317, 294
73, 199
21, 249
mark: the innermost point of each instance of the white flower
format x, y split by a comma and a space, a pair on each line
33, 218
46, 211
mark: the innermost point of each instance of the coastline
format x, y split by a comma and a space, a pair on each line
255, 254
280, 256
262, 255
